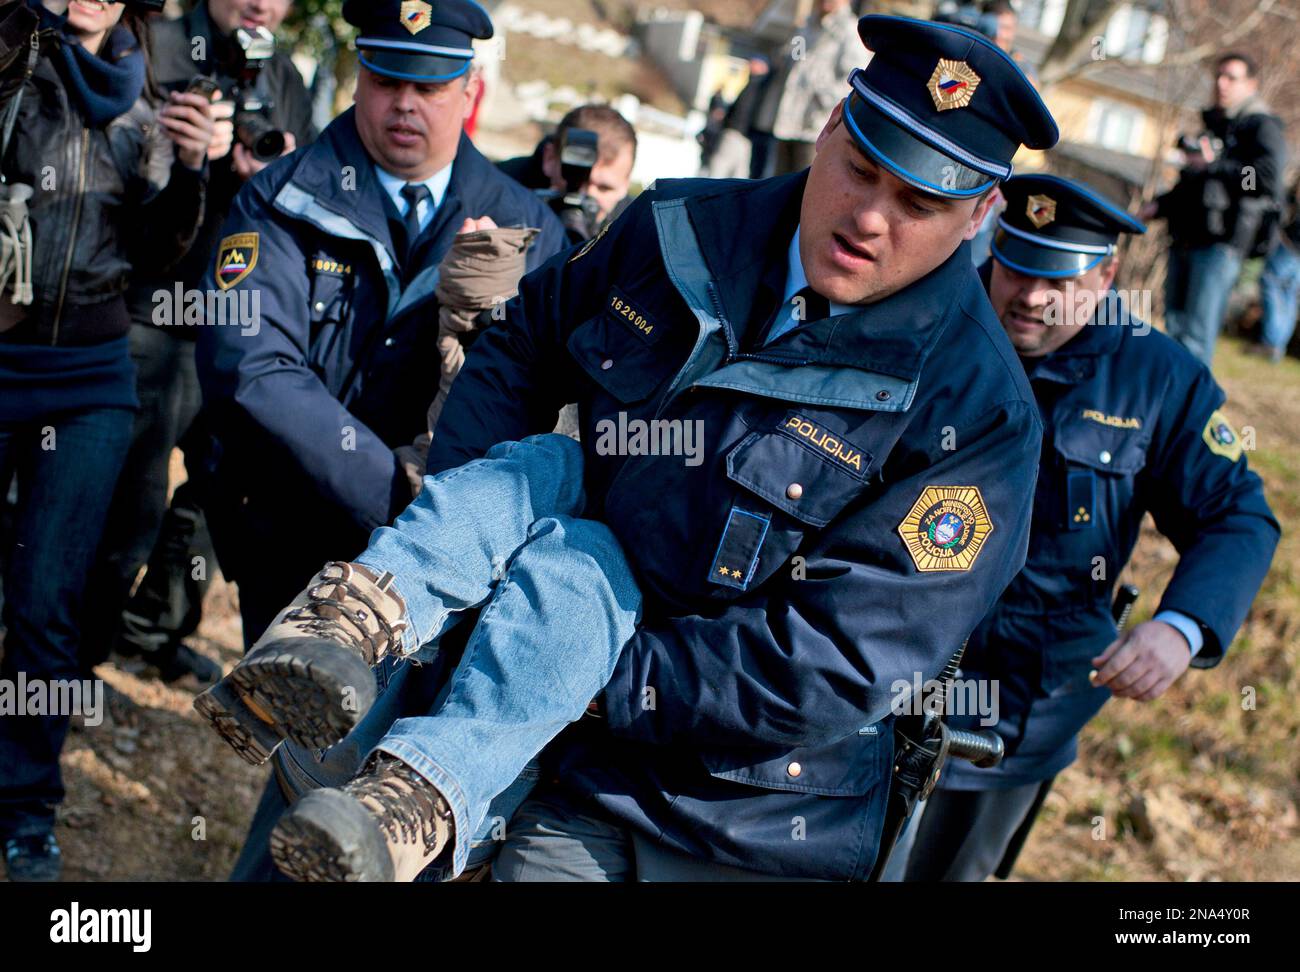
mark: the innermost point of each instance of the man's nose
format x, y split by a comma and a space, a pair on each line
869, 218
404, 98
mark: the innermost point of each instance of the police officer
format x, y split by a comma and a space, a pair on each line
331, 258
869, 445
1134, 424
858, 497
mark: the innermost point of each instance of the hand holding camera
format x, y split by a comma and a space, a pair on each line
189, 122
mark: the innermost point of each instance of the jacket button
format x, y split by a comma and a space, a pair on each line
388, 343
794, 769
883, 396
1105, 457
319, 307
607, 364
794, 491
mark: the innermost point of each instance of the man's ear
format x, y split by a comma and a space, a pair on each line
473, 88
1108, 271
981, 213
837, 116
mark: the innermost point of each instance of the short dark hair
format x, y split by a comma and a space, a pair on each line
614, 130
1000, 7
1252, 69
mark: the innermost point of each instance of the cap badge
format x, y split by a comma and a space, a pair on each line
416, 15
953, 84
1041, 210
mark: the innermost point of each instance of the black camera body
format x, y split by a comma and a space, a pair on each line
253, 126
1191, 144
578, 150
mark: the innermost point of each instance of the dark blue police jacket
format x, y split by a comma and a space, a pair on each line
306, 411
864, 496
1133, 426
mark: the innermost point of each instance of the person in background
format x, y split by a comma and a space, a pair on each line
1279, 287
733, 156
129, 173
610, 177
1223, 207
149, 616
818, 60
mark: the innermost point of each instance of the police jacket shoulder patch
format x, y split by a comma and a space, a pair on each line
236, 258
1221, 438
946, 528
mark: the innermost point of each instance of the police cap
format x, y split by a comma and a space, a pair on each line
417, 40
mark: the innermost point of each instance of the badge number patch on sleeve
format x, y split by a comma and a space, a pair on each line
946, 528
1221, 438
236, 258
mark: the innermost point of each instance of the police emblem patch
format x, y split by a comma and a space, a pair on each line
946, 528
1221, 438
953, 84
1041, 210
236, 258
416, 15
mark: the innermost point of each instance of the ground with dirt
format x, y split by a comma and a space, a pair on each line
1197, 786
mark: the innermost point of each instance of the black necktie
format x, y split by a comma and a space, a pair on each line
414, 194
806, 305
812, 307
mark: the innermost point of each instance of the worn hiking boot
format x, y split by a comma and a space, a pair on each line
388, 824
308, 677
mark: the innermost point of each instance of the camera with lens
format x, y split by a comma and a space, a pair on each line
253, 126
1191, 144
579, 149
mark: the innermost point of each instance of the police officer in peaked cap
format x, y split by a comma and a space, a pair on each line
340, 244
1134, 424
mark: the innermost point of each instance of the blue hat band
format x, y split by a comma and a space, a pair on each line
408, 66
412, 47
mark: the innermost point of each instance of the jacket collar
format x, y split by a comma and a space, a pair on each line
891, 336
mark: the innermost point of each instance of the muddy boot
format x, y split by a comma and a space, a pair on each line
308, 677
388, 824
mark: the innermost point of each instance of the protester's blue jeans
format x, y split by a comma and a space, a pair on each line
1279, 290
1198, 283
558, 603
67, 464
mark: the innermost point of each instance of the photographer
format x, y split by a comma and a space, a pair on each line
590, 193
111, 176
236, 48
1224, 207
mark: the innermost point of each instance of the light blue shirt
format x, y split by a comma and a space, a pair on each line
795, 281
1185, 626
436, 184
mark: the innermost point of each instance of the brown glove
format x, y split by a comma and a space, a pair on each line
481, 270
